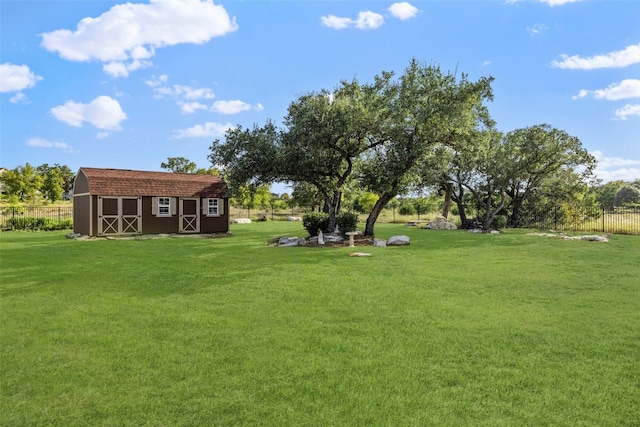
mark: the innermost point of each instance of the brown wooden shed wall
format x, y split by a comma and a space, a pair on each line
81, 217
215, 224
152, 224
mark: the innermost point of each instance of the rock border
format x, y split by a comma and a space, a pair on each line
562, 236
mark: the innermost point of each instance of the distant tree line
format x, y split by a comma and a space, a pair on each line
31, 184
184, 165
618, 193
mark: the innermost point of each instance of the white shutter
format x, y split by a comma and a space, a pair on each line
205, 206
172, 204
154, 206
220, 207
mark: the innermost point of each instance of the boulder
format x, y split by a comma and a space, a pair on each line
592, 238
380, 243
359, 254
294, 218
242, 221
398, 241
333, 238
441, 223
288, 241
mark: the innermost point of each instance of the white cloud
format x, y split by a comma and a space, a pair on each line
616, 168
234, 107
43, 143
184, 92
486, 63
549, 2
629, 88
335, 22
103, 113
186, 97
127, 35
537, 29
366, 20
558, 2
627, 111
403, 10
209, 129
618, 59
19, 98
191, 107
157, 81
102, 135
121, 69
14, 78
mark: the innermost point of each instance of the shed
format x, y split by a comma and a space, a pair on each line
129, 202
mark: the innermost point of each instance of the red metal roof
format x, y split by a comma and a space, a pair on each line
124, 182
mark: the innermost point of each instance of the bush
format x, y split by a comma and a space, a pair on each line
407, 209
31, 223
314, 222
347, 221
499, 222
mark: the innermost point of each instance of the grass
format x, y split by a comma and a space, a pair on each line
455, 329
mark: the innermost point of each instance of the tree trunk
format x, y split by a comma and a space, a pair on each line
462, 213
334, 207
448, 188
491, 213
375, 212
516, 208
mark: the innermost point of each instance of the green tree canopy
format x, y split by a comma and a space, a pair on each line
179, 165
425, 108
627, 195
23, 182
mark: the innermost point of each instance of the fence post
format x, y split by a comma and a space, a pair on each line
59, 216
603, 218
555, 218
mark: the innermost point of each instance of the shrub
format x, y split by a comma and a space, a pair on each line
314, 222
499, 222
407, 209
31, 223
347, 221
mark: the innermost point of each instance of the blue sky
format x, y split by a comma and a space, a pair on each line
126, 85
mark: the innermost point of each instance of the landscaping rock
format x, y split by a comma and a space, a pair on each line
380, 243
288, 241
398, 241
294, 218
333, 238
441, 223
589, 238
242, 221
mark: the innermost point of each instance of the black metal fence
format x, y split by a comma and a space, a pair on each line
619, 220
50, 218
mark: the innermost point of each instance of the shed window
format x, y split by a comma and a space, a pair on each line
214, 208
164, 206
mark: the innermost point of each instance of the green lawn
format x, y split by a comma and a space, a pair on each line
455, 329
